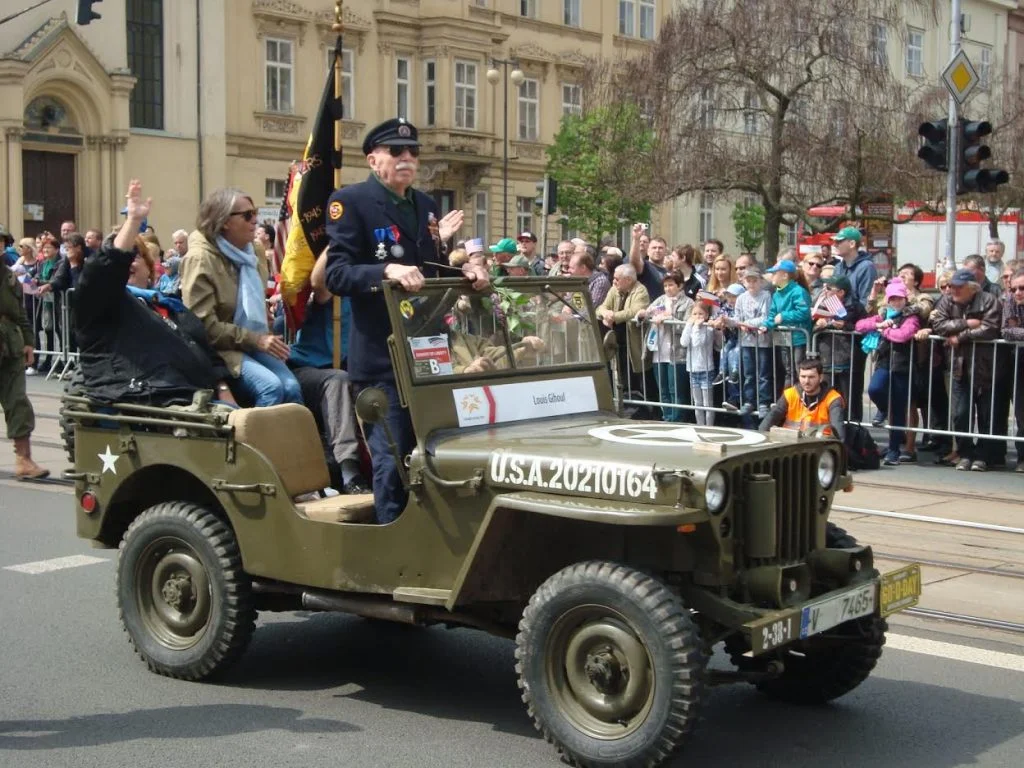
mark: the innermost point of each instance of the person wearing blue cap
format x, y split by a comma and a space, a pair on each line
857, 266
383, 229
790, 307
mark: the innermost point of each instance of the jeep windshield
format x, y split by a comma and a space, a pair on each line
518, 324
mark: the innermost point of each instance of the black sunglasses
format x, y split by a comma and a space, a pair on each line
248, 215
396, 151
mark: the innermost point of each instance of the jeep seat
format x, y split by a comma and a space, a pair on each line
288, 436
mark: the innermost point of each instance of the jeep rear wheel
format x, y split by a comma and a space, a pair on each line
610, 665
183, 597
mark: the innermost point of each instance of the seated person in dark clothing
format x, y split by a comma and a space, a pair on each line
137, 345
326, 390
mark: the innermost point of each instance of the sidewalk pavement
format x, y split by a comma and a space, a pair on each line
956, 586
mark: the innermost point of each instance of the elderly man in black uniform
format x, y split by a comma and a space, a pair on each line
383, 229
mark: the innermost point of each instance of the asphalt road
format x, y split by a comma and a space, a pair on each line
329, 690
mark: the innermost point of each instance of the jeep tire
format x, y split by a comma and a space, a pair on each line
182, 596
610, 665
827, 666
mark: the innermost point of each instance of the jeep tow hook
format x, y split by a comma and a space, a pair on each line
769, 671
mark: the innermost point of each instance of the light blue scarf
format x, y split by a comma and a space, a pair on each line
251, 309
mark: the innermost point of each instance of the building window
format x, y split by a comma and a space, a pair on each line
879, 45
646, 19
465, 95
402, 83
707, 216
571, 13
274, 191
480, 225
627, 10
985, 68
706, 108
348, 97
646, 106
430, 92
279, 75
529, 121
572, 99
791, 235
528, 8
915, 53
634, 15
145, 28
480, 3
751, 113
524, 214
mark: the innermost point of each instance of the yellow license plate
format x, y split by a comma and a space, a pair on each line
899, 589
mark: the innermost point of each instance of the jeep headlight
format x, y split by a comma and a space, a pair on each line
716, 491
826, 469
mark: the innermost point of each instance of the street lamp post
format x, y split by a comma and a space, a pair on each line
517, 77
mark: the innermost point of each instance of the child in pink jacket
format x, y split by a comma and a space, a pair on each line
893, 329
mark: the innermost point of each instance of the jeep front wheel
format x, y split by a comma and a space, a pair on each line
183, 597
610, 665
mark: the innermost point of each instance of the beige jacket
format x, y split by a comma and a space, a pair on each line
209, 287
636, 299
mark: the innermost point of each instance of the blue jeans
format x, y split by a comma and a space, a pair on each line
389, 495
700, 390
265, 380
674, 387
757, 365
878, 390
729, 366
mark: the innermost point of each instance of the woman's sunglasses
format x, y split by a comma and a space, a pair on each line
396, 151
248, 215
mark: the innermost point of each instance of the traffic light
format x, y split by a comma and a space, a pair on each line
547, 195
972, 177
85, 12
934, 151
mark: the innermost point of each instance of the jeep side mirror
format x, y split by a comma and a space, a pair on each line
611, 345
372, 405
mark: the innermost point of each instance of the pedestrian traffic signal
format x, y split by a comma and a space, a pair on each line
934, 151
85, 12
547, 196
972, 177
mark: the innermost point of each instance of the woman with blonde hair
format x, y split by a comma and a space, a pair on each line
723, 274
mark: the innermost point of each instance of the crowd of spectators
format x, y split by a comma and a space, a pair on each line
699, 331
924, 360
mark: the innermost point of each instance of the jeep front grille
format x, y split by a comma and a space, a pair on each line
796, 503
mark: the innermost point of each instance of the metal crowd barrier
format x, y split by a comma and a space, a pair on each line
991, 406
777, 364
994, 403
51, 318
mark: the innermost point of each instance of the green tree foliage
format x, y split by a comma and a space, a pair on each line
599, 160
748, 221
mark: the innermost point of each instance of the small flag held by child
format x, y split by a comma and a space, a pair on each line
828, 306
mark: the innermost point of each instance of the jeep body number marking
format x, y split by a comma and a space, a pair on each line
573, 475
777, 633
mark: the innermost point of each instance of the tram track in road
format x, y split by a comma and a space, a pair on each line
911, 517
932, 614
947, 565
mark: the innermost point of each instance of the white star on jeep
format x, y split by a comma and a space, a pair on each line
109, 460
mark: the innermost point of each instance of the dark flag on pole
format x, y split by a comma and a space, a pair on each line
308, 190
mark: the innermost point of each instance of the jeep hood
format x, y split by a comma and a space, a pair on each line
600, 436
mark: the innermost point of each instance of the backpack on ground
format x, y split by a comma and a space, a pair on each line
861, 448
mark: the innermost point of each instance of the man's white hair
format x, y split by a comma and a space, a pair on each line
998, 243
179, 233
626, 270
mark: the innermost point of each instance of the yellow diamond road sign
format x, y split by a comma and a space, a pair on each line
960, 77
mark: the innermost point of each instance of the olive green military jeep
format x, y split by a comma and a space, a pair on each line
617, 553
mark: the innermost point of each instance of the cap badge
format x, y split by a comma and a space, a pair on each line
404, 132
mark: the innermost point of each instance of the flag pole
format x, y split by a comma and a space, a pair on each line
336, 301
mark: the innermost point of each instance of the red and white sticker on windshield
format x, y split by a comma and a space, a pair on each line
503, 403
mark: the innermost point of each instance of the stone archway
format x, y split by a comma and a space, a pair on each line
70, 108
